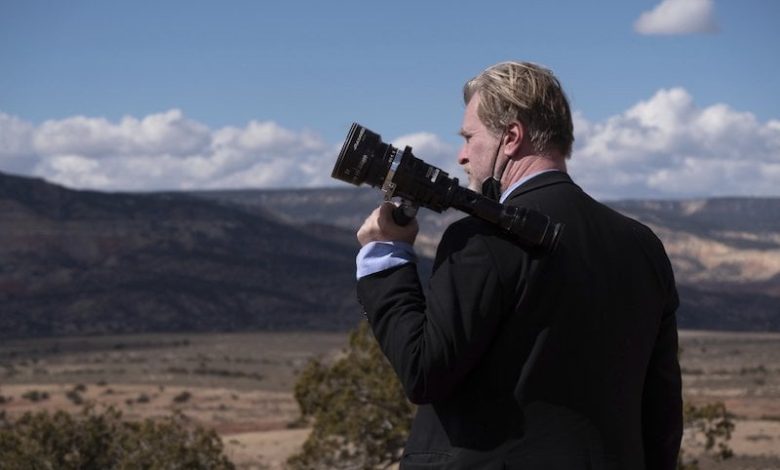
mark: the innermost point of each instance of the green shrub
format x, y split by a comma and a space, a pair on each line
35, 395
75, 397
713, 423
360, 415
182, 397
92, 440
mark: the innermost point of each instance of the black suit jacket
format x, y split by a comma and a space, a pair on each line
521, 360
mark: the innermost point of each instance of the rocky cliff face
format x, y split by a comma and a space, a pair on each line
726, 257
81, 262
717, 241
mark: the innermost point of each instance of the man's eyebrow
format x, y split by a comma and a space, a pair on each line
462, 132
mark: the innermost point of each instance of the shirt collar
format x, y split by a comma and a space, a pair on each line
519, 182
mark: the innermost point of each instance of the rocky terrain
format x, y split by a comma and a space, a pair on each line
84, 262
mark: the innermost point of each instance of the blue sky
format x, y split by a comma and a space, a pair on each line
148, 95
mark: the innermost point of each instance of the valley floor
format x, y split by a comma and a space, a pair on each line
241, 385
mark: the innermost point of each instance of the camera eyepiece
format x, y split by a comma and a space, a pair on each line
364, 158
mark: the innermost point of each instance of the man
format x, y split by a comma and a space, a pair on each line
520, 359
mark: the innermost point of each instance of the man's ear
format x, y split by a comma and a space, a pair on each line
513, 139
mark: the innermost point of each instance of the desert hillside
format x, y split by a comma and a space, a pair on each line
85, 262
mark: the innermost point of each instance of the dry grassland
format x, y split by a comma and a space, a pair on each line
241, 384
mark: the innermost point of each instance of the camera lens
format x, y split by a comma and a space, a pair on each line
364, 158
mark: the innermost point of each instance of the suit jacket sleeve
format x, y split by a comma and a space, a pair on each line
433, 343
662, 398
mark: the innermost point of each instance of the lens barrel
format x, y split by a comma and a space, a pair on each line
364, 158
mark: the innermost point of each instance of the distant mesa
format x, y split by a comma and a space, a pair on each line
87, 262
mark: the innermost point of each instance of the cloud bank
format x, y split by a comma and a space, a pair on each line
163, 151
675, 17
669, 147
169, 151
665, 146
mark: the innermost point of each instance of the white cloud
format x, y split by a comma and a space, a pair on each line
169, 133
434, 151
74, 171
667, 146
163, 151
672, 17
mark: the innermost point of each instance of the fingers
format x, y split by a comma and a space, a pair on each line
385, 220
380, 226
369, 231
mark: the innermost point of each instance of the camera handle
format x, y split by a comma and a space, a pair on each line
407, 210
404, 213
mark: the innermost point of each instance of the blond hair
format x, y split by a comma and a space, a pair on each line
528, 93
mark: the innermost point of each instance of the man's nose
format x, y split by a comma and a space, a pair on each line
462, 158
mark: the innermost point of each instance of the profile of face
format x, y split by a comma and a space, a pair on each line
479, 146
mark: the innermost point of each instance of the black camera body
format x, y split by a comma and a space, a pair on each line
364, 158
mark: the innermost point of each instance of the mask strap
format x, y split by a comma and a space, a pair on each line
491, 186
495, 156
495, 160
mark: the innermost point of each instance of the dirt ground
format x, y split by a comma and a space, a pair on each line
741, 370
241, 385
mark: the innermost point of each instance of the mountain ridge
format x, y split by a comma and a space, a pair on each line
89, 262
83, 262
